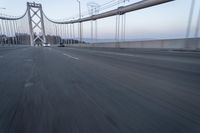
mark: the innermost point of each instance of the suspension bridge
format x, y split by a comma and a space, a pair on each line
34, 27
91, 86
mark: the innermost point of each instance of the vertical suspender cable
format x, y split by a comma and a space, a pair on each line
96, 30
190, 19
7, 32
70, 33
91, 31
3, 32
13, 31
73, 34
124, 27
67, 29
1, 35
17, 32
198, 25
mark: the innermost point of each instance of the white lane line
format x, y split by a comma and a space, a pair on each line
71, 56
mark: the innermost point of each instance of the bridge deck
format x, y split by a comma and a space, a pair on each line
59, 90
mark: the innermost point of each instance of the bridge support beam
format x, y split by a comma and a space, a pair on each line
36, 23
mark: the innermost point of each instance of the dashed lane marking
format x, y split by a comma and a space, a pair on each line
71, 56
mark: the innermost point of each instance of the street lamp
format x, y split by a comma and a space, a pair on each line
80, 27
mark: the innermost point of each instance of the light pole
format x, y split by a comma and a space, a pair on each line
80, 27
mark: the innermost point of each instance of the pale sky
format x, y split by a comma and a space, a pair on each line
164, 21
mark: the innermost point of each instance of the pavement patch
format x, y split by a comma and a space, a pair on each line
28, 84
28, 60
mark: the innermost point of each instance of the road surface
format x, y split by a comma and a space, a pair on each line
80, 90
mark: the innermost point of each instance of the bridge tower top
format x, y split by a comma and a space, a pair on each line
36, 23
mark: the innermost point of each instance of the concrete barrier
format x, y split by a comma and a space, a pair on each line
191, 44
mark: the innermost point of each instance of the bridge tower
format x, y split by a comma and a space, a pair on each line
36, 23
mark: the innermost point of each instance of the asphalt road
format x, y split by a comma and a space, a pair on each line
74, 90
